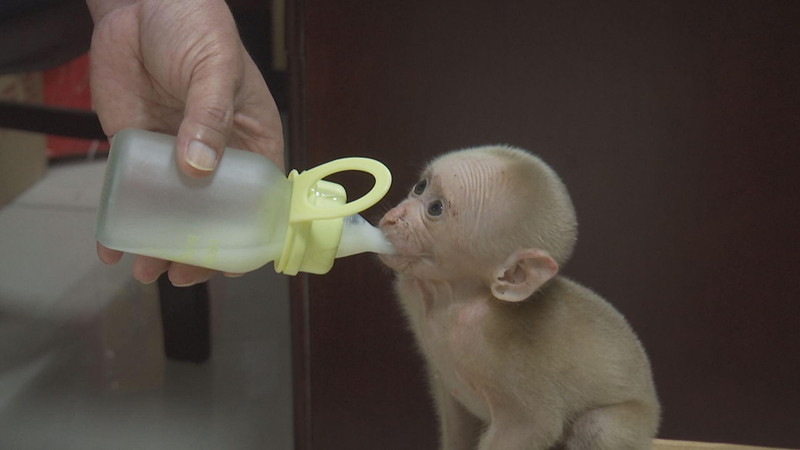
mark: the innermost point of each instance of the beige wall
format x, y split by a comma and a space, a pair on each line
23, 158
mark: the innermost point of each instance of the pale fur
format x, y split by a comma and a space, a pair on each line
518, 358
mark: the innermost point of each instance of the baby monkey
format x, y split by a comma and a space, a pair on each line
518, 357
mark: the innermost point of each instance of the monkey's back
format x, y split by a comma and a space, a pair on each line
572, 348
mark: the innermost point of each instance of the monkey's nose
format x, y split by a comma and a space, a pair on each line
387, 221
391, 217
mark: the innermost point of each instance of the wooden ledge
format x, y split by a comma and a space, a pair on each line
663, 444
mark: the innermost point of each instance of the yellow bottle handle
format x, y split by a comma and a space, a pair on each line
302, 210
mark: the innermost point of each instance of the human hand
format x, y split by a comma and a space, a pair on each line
179, 67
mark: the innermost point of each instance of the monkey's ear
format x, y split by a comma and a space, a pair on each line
522, 274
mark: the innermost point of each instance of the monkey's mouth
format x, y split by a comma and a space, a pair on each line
408, 254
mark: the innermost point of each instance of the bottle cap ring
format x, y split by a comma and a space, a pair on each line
302, 208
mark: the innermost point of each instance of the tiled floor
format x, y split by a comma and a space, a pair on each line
81, 365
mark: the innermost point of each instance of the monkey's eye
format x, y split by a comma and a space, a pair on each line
420, 187
436, 208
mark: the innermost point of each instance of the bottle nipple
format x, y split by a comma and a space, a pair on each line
358, 236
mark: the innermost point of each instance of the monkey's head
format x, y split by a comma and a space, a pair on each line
495, 215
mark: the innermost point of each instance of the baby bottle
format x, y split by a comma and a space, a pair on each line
239, 218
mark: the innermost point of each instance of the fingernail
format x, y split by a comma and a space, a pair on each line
148, 278
183, 283
200, 156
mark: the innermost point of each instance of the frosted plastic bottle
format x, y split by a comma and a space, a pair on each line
241, 217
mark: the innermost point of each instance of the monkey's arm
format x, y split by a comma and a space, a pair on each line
458, 429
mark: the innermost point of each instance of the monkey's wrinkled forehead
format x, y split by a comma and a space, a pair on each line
473, 179
475, 166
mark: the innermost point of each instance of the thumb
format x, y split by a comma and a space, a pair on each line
207, 122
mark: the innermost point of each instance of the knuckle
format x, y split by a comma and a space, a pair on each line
215, 116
